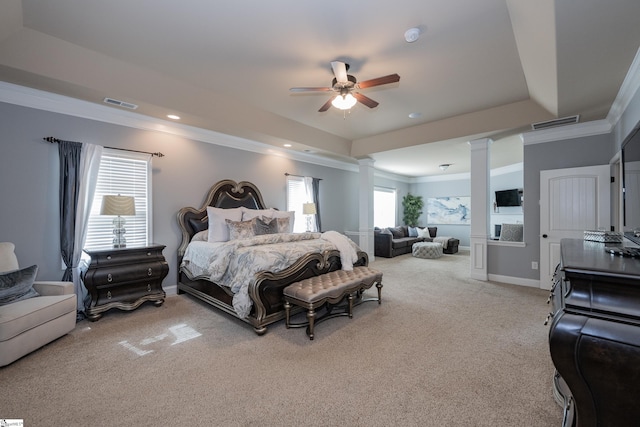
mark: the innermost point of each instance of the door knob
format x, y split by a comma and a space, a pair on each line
544, 236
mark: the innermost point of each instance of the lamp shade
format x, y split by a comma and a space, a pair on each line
308, 208
118, 205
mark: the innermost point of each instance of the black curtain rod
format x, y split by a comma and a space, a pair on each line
299, 176
52, 140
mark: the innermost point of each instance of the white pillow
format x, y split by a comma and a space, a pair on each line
249, 214
218, 230
283, 214
423, 232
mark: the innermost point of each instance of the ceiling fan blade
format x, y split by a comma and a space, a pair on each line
326, 105
340, 71
365, 100
310, 89
391, 78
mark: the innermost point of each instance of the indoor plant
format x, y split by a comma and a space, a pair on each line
412, 209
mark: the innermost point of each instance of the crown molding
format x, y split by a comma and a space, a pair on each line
628, 89
47, 101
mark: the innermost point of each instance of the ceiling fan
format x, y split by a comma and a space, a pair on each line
346, 85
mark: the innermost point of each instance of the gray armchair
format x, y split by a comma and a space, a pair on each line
29, 320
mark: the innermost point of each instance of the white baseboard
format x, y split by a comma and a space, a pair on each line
514, 280
170, 290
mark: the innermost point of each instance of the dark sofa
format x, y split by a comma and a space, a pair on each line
394, 241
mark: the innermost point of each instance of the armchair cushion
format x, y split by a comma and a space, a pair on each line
17, 285
8, 259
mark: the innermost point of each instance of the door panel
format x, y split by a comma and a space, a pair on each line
571, 201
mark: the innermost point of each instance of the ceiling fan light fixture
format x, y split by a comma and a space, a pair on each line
344, 102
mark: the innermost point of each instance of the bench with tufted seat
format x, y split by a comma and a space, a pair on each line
330, 288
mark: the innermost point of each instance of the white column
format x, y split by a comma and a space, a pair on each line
366, 207
480, 171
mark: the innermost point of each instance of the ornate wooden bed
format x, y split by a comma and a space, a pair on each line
266, 289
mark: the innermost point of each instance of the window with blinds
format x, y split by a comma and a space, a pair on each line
384, 207
126, 174
296, 197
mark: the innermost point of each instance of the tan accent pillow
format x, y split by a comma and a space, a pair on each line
241, 229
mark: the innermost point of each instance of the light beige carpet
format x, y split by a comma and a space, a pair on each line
441, 350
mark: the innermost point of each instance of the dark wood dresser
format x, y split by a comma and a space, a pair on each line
124, 278
594, 338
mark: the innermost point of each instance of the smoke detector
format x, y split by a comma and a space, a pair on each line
412, 34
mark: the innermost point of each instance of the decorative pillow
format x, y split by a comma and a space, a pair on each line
248, 214
398, 232
413, 231
201, 236
432, 231
386, 231
423, 232
284, 225
218, 229
18, 285
241, 229
285, 214
512, 232
265, 226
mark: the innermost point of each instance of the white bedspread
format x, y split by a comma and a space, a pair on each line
234, 264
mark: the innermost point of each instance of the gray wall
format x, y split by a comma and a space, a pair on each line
29, 176
457, 187
588, 151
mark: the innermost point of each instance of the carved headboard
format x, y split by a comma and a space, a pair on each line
224, 194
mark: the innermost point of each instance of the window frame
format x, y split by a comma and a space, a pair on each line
144, 205
394, 191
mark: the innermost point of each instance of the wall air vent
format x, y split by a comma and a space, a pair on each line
128, 105
556, 122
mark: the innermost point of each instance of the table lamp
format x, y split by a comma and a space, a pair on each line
118, 206
309, 209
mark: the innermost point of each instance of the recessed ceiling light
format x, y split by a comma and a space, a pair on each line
415, 115
287, 145
173, 117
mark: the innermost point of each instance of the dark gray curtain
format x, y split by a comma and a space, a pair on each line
316, 200
69, 154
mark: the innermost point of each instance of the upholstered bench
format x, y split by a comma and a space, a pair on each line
429, 250
330, 288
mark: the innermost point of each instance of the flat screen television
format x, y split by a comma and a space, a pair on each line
508, 197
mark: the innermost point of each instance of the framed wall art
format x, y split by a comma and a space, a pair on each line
449, 210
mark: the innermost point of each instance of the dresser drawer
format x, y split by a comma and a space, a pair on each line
128, 292
125, 273
117, 257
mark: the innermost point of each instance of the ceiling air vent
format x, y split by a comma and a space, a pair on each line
556, 122
120, 103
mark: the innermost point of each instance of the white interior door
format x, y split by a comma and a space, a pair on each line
571, 201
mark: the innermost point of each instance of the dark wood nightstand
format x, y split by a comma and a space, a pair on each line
124, 278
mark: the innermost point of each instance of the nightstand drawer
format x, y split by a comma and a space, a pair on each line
128, 292
106, 258
126, 273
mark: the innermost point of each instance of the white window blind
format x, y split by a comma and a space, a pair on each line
384, 207
296, 197
126, 174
